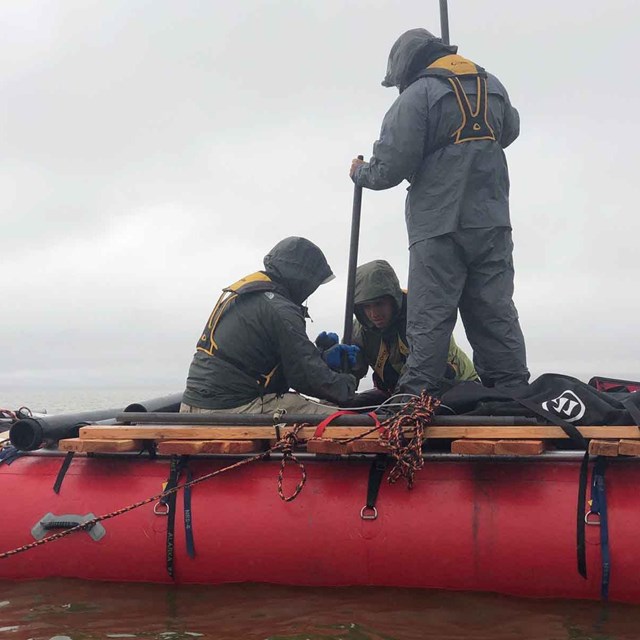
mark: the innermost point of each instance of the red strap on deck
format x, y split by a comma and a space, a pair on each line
329, 419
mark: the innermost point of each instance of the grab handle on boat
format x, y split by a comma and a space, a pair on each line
67, 521
368, 513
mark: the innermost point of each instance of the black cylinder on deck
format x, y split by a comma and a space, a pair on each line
266, 419
29, 434
169, 403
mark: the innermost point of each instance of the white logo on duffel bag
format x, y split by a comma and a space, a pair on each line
567, 405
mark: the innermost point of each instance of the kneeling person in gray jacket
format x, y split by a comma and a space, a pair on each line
254, 347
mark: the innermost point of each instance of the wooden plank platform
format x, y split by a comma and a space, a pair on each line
194, 447
181, 432
629, 448
474, 447
94, 445
520, 447
498, 447
604, 448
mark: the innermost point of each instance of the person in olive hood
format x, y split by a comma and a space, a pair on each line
380, 329
254, 347
445, 134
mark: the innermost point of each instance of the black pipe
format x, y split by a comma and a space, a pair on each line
29, 434
444, 21
266, 419
353, 262
166, 403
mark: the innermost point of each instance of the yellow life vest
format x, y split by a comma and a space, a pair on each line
252, 283
475, 124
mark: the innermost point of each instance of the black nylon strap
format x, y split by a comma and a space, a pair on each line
574, 435
63, 471
634, 412
170, 501
599, 507
376, 472
188, 515
580, 511
578, 439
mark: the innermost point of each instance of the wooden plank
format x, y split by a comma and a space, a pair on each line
193, 447
473, 447
519, 447
604, 448
367, 446
4, 435
319, 445
181, 432
86, 445
629, 448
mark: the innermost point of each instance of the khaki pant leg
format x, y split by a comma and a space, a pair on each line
290, 402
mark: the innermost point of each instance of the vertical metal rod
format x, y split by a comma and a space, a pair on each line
444, 21
353, 262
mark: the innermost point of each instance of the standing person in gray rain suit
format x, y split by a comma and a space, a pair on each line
445, 134
254, 346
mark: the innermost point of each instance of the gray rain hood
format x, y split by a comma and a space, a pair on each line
413, 51
298, 265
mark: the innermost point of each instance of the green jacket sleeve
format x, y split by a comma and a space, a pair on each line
461, 363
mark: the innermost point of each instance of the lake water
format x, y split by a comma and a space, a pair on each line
61, 609
84, 610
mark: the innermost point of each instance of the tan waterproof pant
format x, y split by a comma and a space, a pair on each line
290, 402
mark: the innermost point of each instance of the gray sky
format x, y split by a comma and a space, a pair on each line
153, 151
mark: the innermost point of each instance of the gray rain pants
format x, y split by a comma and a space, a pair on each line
470, 270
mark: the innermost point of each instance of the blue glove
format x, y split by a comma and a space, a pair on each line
334, 356
326, 340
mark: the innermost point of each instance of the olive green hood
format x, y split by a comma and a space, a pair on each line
374, 280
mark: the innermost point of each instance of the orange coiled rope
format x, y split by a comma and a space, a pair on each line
406, 449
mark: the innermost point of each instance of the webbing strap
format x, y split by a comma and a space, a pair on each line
9, 454
376, 472
633, 410
170, 501
599, 507
574, 435
63, 471
188, 517
580, 524
578, 439
343, 412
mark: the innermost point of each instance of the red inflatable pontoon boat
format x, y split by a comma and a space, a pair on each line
506, 526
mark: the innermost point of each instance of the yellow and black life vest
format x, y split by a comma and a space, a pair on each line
388, 372
254, 282
474, 124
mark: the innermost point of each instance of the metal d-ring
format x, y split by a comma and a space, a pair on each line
158, 511
593, 523
368, 513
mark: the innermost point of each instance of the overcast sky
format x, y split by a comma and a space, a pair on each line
153, 151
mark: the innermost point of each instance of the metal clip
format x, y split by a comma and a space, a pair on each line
368, 513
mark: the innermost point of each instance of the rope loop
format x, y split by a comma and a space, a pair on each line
286, 446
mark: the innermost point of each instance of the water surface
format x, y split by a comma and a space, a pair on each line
79, 610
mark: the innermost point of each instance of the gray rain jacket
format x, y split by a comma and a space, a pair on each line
464, 185
263, 330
